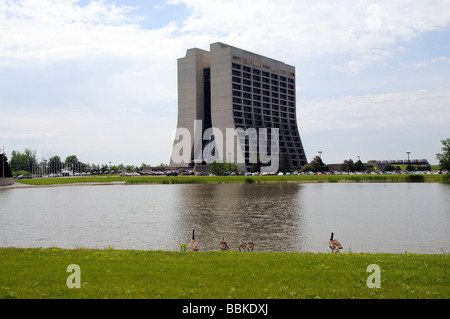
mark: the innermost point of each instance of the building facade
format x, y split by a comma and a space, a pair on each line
228, 88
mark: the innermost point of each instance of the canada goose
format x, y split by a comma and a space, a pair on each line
193, 244
242, 247
250, 245
223, 244
334, 244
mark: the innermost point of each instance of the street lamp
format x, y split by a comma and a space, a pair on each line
408, 156
320, 154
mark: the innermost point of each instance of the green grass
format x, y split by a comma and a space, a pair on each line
399, 178
108, 273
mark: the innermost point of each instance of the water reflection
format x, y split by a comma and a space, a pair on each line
368, 217
267, 214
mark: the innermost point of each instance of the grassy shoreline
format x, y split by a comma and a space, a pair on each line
398, 178
38, 273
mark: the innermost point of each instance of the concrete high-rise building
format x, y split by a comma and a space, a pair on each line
230, 88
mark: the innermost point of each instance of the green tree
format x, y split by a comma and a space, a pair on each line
104, 168
216, 168
285, 163
348, 166
54, 164
359, 166
318, 165
306, 168
72, 159
130, 168
5, 169
444, 157
72, 163
219, 168
23, 161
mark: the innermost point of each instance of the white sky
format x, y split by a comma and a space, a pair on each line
98, 79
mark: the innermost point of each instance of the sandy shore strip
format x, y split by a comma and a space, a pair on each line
20, 185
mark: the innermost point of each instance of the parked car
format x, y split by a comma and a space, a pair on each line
23, 177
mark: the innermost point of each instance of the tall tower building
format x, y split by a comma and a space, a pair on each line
227, 89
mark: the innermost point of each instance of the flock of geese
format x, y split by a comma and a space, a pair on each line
193, 245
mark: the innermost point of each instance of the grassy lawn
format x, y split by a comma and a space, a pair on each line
238, 179
108, 273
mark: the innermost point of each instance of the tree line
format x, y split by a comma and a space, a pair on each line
26, 163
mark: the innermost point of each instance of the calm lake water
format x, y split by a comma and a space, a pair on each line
367, 217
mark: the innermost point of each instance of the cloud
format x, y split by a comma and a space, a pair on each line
409, 110
54, 31
442, 58
49, 30
81, 76
380, 126
365, 31
415, 65
126, 136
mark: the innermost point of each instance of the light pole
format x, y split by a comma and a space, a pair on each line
45, 167
320, 154
408, 167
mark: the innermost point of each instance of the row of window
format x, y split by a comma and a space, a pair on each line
285, 129
267, 115
262, 73
283, 147
265, 89
257, 81
259, 65
265, 102
292, 154
258, 123
265, 93
265, 110
285, 134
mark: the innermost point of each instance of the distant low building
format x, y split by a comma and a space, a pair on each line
379, 166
